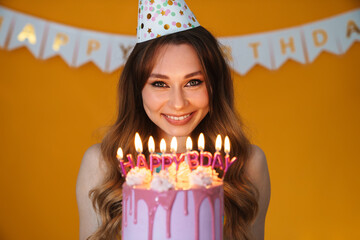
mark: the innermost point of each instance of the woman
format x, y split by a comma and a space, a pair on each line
176, 85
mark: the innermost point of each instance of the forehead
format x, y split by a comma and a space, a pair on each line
172, 59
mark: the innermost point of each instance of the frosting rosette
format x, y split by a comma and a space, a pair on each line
138, 176
203, 176
161, 181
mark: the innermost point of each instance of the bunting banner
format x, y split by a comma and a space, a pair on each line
303, 44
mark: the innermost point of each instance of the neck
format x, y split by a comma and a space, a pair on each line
181, 144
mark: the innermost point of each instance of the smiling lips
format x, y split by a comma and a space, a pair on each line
178, 120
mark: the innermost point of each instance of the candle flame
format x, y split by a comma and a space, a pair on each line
163, 146
227, 145
218, 143
119, 153
173, 145
138, 143
201, 142
151, 144
188, 144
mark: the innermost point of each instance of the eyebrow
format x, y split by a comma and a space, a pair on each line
161, 76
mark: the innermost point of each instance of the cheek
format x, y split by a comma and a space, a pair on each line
152, 101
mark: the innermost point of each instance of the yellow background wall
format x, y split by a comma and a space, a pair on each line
305, 117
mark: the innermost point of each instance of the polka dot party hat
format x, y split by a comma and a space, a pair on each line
162, 17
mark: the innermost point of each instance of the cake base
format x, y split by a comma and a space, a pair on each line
196, 213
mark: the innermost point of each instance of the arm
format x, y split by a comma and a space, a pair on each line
90, 175
258, 173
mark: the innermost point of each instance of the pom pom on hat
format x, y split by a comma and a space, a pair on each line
157, 18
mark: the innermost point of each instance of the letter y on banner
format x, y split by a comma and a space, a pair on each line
6, 17
120, 49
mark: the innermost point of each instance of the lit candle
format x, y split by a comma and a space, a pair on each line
166, 158
154, 158
227, 152
217, 161
141, 160
192, 156
201, 146
123, 165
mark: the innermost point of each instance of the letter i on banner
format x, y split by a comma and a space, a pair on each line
28, 31
286, 45
6, 17
248, 51
348, 29
320, 36
93, 46
61, 41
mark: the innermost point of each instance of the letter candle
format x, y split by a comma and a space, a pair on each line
227, 156
166, 158
192, 156
201, 146
122, 164
154, 158
217, 161
141, 160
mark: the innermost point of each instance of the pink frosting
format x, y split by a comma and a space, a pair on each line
166, 199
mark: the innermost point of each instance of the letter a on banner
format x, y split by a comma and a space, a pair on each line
6, 17
287, 45
28, 31
61, 41
320, 36
347, 27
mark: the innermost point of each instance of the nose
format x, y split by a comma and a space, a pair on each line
177, 99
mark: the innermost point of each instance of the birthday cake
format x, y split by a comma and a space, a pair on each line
184, 200
163, 209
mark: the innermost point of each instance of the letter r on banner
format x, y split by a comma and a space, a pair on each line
324, 37
60, 40
93, 45
28, 32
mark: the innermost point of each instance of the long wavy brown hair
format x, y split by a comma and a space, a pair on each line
240, 196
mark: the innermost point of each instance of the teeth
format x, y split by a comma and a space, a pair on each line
178, 118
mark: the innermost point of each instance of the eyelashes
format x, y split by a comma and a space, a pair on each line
191, 83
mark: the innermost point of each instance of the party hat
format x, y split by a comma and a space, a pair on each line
162, 17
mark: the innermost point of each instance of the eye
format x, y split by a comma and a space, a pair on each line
159, 84
194, 82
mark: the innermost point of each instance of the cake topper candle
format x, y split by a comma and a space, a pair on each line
191, 156
141, 160
122, 164
217, 161
227, 152
154, 158
201, 146
166, 158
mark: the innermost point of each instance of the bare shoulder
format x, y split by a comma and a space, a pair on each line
258, 173
91, 174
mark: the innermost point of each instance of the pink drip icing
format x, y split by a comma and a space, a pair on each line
153, 199
186, 212
199, 195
